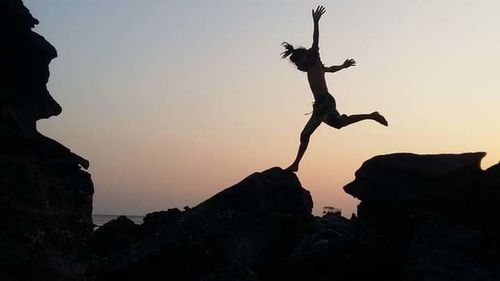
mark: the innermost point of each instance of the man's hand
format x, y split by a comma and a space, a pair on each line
348, 63
320, 10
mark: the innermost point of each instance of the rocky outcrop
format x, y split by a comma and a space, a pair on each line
116, 235
238, 234
439, 208
161, 220
45, 196
416, 187
421, 218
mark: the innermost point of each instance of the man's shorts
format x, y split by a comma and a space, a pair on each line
324, 110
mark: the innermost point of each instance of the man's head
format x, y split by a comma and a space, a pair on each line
301, 57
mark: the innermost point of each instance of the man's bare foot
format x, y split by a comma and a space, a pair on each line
293, 168
379, 118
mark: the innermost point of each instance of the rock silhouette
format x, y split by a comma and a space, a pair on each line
244, 229
415, 186
421, 217
45, 197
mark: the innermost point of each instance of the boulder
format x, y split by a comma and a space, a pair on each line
437, 214
249, 227
161, 220
411, 186
116, 235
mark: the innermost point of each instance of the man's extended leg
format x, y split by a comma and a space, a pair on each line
305, 135
345, 120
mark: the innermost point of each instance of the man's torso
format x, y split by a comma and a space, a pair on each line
316, 78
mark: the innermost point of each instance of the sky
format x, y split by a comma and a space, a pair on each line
173, 101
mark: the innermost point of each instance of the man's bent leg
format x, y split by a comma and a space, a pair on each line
305, 135
346, 120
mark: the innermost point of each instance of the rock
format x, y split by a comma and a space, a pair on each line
24, 70
436, 213
335, 248
487, 198
116, 235
411, 226
446, 252
252, 224
323, 252
232, 272
271, 191
159, 221
406, 177
488, 191
120, 233
421, 217
45, 196
415, 186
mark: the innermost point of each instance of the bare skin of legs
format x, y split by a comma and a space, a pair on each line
312, 125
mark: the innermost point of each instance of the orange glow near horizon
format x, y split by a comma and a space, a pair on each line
170, 111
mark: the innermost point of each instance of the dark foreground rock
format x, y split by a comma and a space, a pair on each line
415, 187
238, 234
45, 197
160, 221
116, 235
421, 218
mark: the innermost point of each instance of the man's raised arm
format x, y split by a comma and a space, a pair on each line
320, 10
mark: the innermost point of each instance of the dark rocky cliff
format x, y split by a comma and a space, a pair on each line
45, 196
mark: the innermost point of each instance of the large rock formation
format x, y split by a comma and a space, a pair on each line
45, 196
240, 232
421, 218
413, 186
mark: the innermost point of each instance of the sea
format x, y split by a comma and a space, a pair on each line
99, 220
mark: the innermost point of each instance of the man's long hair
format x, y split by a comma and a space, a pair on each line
288, 50
295, 55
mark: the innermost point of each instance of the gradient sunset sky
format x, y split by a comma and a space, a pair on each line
172, 101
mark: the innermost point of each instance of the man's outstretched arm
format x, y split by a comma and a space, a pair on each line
346, 64
320, 10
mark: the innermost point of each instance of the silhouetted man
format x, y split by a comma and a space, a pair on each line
324, 108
